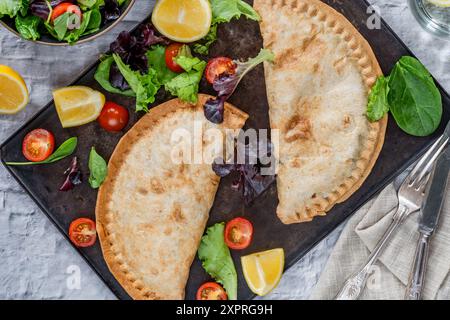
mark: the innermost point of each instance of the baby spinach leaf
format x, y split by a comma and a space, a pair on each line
95, 20
102, 77
414, 100
378, 105
411, 95
66, 149
28, 27
98, 169
60, 26
87, 3
76, 33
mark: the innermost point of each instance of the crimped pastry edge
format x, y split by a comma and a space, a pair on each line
133, 286
370, 70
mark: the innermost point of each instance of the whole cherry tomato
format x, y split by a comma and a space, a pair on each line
113, 117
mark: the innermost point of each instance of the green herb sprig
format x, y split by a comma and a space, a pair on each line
66, 149
98, 169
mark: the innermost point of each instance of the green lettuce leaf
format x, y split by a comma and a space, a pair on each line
185, 86
145, 86
378, 105
226, 10
28, 27
188, 63
102, 77
156, 60
10, 7
216, 259
202, 47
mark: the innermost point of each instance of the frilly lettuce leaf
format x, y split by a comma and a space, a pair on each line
145, 86
216, 259
185, 85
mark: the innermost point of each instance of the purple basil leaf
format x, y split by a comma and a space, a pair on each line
214, 109
116, 78
222, 169
226, 84
148, 36
73, 176
132, 49
254, 183
111, 10
251, 182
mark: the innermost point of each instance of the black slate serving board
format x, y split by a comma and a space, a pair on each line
239, 39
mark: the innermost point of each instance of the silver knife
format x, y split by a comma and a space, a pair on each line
429, 219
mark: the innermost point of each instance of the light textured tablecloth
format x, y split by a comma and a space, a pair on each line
36, 259
390, 274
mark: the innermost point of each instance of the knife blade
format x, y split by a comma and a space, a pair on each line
432, 206
428, 222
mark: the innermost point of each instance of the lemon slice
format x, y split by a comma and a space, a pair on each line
182, 20
263, 270
78, 105
440, 3
13, 91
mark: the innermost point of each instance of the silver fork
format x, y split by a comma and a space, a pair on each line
410, 196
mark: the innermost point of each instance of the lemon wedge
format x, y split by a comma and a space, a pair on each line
13, 91
263, 270
78, 105
440, 3
182, 20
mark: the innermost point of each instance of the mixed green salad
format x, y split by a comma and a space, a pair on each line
142, 62
64, 20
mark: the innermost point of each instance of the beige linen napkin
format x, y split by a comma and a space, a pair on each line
390, 275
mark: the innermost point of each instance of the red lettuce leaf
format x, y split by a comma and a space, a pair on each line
132, 49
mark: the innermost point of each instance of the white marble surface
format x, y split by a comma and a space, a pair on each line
35, 258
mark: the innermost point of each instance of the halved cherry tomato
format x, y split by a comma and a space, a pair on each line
38, 145
219, 66
238, 233
113, 117
211, 291
64, 7
171, 53
82, 232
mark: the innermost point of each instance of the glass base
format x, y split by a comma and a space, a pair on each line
433, 18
